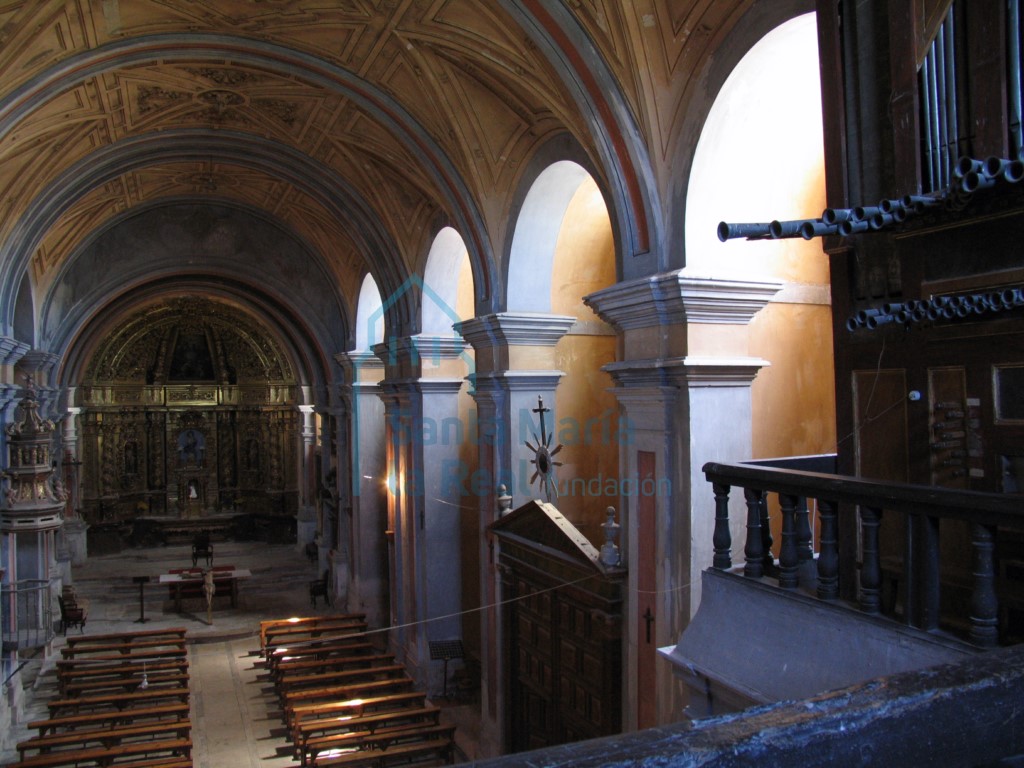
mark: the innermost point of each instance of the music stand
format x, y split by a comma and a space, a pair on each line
141, 581
443, 650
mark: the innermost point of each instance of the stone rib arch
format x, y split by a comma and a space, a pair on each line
440, 295
535, 239
368, 333
81, 284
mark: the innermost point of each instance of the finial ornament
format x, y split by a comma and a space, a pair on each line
610, 555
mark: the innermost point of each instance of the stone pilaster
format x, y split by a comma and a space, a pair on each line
364, 476
421, 416
683, 384
515, 363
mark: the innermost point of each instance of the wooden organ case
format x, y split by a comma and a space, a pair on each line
562, 630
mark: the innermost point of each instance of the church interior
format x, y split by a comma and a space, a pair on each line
643, 361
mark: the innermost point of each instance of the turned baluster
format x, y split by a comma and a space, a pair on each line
828, 557
871, 567
789, 562
722, 538
753, 551
984, 604
803, 532
766, 537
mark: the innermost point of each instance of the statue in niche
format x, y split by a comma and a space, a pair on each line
191, 447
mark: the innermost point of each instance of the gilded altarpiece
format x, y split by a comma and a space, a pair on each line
188, 410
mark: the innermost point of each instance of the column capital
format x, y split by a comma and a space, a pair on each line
675, 298
534, 329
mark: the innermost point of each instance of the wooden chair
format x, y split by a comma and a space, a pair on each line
202, 548
319, 588
71, 615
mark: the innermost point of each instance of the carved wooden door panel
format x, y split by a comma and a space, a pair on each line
532, 694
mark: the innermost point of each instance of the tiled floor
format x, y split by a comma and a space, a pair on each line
235, 719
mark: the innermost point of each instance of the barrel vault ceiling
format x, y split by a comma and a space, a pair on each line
357, 125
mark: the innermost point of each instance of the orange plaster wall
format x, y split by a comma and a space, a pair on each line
793, 399
585, 262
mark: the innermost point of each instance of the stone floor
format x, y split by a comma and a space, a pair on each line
234, 713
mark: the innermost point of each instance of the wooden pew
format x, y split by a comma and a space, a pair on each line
124, 637
320, 728
274, 637
309, 666
125, 670
106, 737
306, 621
92, 687
341, 693
128, 648
90, 720
320, 649
108, 756
119, 701
145, 655
382, 746
289, 684
440, 749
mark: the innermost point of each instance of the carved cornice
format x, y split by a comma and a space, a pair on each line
675, 298
12, 350
516, 381
690, 371
530, 329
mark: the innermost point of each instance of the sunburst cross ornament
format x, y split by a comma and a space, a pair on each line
544, 455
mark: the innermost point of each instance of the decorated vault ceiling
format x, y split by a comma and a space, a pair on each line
359, 126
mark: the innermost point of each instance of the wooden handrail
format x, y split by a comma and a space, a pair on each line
972, 506
923, 506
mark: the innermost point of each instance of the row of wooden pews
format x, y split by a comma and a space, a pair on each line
344, 702
122, 702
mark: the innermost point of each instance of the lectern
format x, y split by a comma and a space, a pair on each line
141, 581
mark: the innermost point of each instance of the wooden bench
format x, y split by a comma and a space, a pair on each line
175, 710
118, 701
118, 670
290, 700
358, 706
104, 756
321, 648
308, 666
358, 690
106, 737
275, 636
291, 683
124, 637
307, 730
124, 648
145, 655
272, 624
89, 687
381, 743
439, 748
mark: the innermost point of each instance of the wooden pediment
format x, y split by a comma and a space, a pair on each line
540, 525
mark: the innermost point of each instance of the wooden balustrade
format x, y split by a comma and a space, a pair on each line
920, 508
